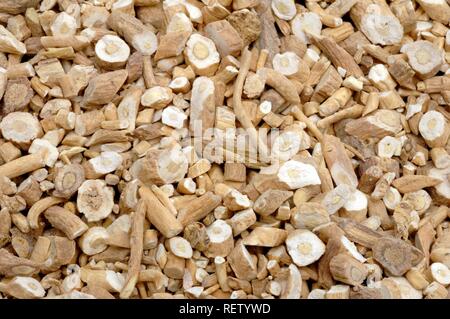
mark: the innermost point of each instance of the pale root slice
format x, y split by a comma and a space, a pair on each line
106, 162
286, 145
376, 20
119, 232
309, 215
389, 146
440, 273
203, 108
440, 157
157, 97
20, 127
296, 174
138, 35
443, 188
225, 37
236, 201
293, 286
220, 239
265, 237
392, 198
68, 179
287, 63
161, 166
186, 186
180, 247
346, 269
202, 55
70, 224
434, 128
376, 125
284, 9
304, 24
128, 108
336, 198
268, 202
338, 292
242, 263
112, 52
23, 288
64, 24
107, 279
380, 78
94, 240
400, 288
304, 247
424, 57
242, 220
173, 116
179, 23
9, 43
419, 200
180, 84
438, 10
43, 146
356, 206
95, 200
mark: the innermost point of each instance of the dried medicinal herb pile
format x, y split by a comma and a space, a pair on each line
224, 149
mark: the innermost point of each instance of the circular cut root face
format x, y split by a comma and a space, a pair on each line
95, 200
179, 23
50, 151
432, 125
296, 174
284, 9
423, 56
111, 49
286, 63
64, 24
382, 29
356, 202
180, 247
172, 165
174, 117
201, 52
219, 231
392, 198
146, 43
93, 241
20, 127
156, 97
440, 273
306, 22
304, 247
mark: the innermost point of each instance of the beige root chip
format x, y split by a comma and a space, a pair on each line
95, 200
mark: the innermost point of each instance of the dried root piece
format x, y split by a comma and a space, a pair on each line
93, 241
396, 256
138, 35
202, 55
111, 52
297, 174
348, 270
434, 128
220, 237
95, 200
304, 24
20, 127
424, 57
70, 224
438, 10
23, 288
304, 247
160, 167
9, 43
68, 179
375, 19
